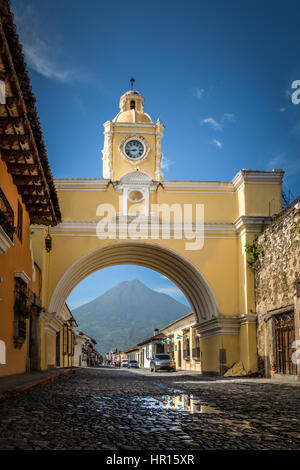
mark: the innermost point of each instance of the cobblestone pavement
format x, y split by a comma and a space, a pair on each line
117, 409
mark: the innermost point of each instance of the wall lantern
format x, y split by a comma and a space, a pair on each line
48, 242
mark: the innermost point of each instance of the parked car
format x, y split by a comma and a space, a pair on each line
133, 363
162, 362
124, 363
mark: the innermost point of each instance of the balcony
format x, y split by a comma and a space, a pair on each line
7, 228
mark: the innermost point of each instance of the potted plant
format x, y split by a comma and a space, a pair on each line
6, 221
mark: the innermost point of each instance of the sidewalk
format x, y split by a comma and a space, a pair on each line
193, 376
13, 385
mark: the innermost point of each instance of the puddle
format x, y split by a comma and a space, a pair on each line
181, 402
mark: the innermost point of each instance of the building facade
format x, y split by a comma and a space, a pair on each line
182, 343
27, 196
85, 353
133, 216
148, 347
277, 284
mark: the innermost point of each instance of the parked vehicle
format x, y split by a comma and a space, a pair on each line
124, 363
133, 363
162, 362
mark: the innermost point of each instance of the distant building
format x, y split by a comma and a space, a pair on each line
85, 353
149, 347
65, 339
182, 343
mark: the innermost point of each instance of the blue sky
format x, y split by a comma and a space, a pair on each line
217, 73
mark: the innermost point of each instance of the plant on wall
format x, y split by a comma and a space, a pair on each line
24, 307
6, 221
253, 250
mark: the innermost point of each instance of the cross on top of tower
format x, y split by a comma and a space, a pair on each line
132, 80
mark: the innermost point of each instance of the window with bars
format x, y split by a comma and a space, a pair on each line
186, 349
65, 340
21, 300
6, 216
196, 348
20, 222
284, 331
58, 348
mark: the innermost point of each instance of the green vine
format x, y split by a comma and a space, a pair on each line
295, 225
253, 250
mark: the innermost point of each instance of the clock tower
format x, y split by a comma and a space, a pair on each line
132, 142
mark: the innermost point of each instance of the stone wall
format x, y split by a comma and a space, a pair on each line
277, 272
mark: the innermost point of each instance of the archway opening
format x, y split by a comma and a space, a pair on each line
150, 255
120, 306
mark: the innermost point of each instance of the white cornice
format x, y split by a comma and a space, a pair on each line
52, 323
247, 221
198, 186
219, 326
248, 176
81, 184
5, 241
129, 124
22, 275
91, 225
225, 325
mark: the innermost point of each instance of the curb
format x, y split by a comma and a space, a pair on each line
14, 393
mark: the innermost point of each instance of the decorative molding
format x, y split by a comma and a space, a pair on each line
81, 184
198, 186
249, 176
249, 221
225, 325
248, 319
52, 323
129, 124
22, 275
219, 326
5, 241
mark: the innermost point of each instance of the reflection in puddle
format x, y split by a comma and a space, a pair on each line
181, 402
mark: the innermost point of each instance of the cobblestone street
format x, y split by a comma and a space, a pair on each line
117, 409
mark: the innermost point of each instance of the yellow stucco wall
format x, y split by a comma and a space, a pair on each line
17, 258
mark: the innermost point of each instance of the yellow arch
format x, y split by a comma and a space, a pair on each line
164, 260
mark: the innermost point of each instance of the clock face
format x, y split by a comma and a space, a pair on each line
134, 149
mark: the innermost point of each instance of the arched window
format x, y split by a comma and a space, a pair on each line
132, 104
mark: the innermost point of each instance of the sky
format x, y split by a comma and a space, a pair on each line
217, 73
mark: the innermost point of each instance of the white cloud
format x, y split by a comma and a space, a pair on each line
282, 110
163, 277
42, 54
166, 163
217, 143
173, 291
289, 165
199, 93
228, 117
213, 123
